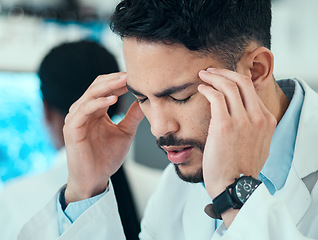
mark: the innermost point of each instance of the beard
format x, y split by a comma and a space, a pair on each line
171, 140
197, 177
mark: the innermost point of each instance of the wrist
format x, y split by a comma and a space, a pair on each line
233, 197
228, 216
73, 194
218, 188
219, 185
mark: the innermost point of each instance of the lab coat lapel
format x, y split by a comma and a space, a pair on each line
306, 148
196, 224
295, 194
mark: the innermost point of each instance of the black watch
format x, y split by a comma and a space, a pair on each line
234, 196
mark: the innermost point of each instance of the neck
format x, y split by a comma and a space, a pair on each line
274, 99
283, 103
278, 102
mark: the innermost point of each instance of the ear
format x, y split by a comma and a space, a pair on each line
258, 65
47, 112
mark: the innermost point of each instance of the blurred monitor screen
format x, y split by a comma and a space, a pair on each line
25, 146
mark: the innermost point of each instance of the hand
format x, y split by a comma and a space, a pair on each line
95, 146
240, 130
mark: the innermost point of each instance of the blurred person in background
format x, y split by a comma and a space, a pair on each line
65, 73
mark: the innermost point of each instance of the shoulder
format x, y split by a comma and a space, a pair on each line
31, 193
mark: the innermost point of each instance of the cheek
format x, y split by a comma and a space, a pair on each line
204, 118
205, 123
198, 116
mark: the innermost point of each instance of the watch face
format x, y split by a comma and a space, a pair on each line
244, 188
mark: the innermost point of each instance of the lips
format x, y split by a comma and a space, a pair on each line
178, 154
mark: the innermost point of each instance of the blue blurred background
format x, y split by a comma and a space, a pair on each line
25, 147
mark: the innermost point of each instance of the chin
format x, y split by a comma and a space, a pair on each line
194, 177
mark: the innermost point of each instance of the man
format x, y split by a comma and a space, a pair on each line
202, 73
65, 73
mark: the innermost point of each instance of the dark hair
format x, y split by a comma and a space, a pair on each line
69, 69
222, 28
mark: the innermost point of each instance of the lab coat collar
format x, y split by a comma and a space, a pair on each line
306, 148
295, 194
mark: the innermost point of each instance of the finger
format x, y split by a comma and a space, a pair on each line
219, 108
77, 104
103, 86
87, 109
270, 117
66, 119
245, 84
252, 101
229, 89
132, 119
107, 87
256, 110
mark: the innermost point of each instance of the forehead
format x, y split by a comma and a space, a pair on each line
159, 65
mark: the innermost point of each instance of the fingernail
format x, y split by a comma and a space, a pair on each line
211, 69
123, 76
111, 98
201, 88
203, 71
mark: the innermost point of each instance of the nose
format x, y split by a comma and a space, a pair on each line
162, 121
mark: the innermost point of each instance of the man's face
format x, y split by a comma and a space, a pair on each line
164, 79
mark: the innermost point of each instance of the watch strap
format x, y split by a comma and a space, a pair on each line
226, 200
220, 204
223, 202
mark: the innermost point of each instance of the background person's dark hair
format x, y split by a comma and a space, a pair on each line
221, 27
69, 69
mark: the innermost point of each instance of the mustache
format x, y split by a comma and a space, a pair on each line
172, 140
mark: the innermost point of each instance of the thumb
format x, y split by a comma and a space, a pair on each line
132, 119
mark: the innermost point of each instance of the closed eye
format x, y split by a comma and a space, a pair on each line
181, 101
141, 100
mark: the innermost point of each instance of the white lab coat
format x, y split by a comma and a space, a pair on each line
25, 196
175, 211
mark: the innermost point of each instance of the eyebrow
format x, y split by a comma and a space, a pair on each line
165, 92
133, 91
